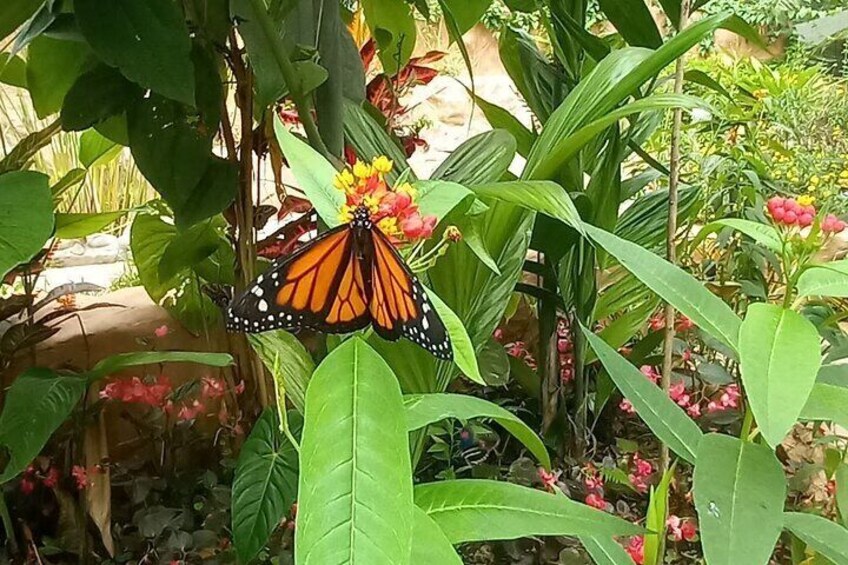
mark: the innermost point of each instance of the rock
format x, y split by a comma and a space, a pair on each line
96, 249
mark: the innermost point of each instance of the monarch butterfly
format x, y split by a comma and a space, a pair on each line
340, 282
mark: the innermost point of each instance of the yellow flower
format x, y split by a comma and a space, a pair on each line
814, 180
346, 213
382, 164
371, 202
389, 226
343, 180
844, 174
806, 200
407, 189
361, 170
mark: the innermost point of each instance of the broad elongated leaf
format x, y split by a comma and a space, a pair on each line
467, 12
95, 149
425, 409
429, 543
12, 70
674, 285
761, 233
52, 67
76, 225
14, 13
606, 551
477, 510
535, 77
26, 217
355, 501
438, 198
827, 402
146, 39
36, 404
188, 248
655, 519
633, 20
121, 361
665, 418
499, 118
739, 492
393, 27
826, 537
264, 486
780, 358
313, 173
841, 477
96, 95
826, 279
463, 349
280, 351
483, 158
546, 197
370, 140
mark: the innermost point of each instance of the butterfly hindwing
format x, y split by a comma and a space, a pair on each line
317, 287
399, 303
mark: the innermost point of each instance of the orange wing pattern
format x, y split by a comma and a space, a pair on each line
320, 286
399, 304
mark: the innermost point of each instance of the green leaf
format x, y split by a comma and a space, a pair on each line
546, 197
467, 12
355, 501
370, 140
12, 70
438, 198
94, 149
425, 409
147, 40
189, 248
826, 537
655, 519
68, 181
620, 330
674, 285
26, 217
779, 354
463, 349
36, 404
665, 418
761, 233
483, 158
121, 361
494, 363
826, 279
478, 510
52, 67
264, 486
429, 543
76, 225
739, 493
281, 351
841, 477
393, 28
211, 196
96, 95
606, 551
827, 402
499, 118
313, 173
633, 20
16, 12
535, 77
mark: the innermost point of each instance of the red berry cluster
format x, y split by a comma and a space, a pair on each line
788, 212
832, 224
565, 349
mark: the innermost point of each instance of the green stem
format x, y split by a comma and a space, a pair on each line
298, 96
747, 423
7, 523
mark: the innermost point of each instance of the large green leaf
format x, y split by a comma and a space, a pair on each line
13, 70
283, 354
827, 402
264, 486
665, 418
535, 77
425, 409
52, 67
674, 285
313, 173
438, 198
430, 545
463, 348
16, 12
606, 551
369, 139
146, 39
76, 225
633, 20
121, 361
96, 95
355, 501
467, 12
542, 196
36, 404
478, 510
779, 355
26, 217
95, 149
655, 518
393, 28
761, 233
500, 118
826, 279
188, 248
826, 537
482, 158
739, 492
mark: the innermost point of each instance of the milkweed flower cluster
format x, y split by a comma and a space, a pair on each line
393, 209
594, 483
641, 471
800, 213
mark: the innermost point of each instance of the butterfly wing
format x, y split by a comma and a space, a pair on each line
321, 286
399, 304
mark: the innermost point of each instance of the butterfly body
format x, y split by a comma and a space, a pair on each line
345, 279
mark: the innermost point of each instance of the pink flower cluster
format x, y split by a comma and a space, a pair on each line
653, 375
136, 391
788, 212
641, 470
635, 548
832, 224
549, 478
50, 478
519, 350
677, 392
682, 324
681, 529
594, 484
565, 349
729, 398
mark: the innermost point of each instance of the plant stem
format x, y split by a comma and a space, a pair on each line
296, 93
671, 252
6, 519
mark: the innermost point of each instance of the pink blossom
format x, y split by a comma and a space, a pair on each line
596, 500
832, 224
162, 331
27, 486
626, 407
548, 478
636, 549
213, 388
80, 475
650, 372
191, 412
694, 410
51, 480
136, 391
240, 387
681, 529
